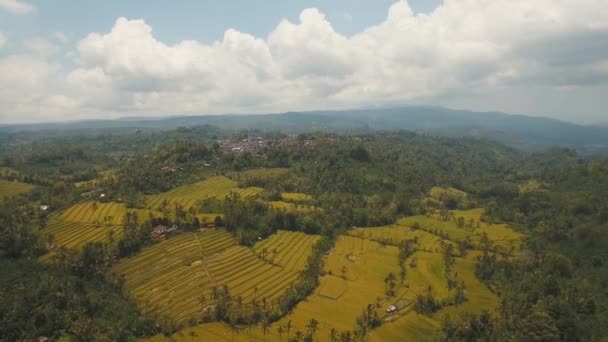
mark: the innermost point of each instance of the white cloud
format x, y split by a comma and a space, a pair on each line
2, 40
16, 6
463, 52
41, 46
60, 37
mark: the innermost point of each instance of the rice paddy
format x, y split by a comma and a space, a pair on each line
355, 270
286, 249
76, 234
173, 280
10, 189
187, 196
295, 197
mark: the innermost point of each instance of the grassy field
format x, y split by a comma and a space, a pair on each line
187, 196
11, 189
173, 280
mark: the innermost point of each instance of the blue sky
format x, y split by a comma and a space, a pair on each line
72, 60
201, 20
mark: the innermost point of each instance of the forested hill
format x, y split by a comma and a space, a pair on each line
517, 130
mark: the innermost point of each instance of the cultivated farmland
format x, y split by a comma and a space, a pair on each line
287, 206
11, 189
395, 234
355, 270
295, 197
76, 234
260, 174
114, 214
367, 264
249, 192
289, 250
474, 229
186, 196
173, 280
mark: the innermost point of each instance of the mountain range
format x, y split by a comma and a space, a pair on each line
516, 130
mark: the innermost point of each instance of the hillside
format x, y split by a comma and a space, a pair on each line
517, 130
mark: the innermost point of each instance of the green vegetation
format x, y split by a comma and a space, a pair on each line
391, 236
40, 301
12, 189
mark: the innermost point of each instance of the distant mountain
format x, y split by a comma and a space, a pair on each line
517, 130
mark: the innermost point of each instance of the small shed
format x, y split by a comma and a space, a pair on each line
160, 229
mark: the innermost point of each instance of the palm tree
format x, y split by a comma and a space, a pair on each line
390, 282
333, 335
280, 330
299, 335
265, 326
312, 327
193, 335
288, 328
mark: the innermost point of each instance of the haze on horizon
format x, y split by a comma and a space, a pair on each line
67, 60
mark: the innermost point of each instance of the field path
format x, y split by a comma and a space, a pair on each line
200, 250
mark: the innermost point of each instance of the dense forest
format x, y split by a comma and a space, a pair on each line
555, 290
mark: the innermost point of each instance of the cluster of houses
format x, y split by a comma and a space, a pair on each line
250, 144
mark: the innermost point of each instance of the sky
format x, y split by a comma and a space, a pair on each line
71, 60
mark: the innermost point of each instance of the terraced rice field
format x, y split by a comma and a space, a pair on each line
289, 250
173, 280
395, 234
114, 214
8, 172
104, 178
99, 213
367, 259
76, 234
11, 189
262, 173
168, 280
410, 327
249, 192
429, 271
500, 234
187, 196
295, 197
287, 206
355, 270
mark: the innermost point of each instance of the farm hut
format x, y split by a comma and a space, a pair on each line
391, 309
160, 229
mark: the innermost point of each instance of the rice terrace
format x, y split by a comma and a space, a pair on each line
402, 278
202, 233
